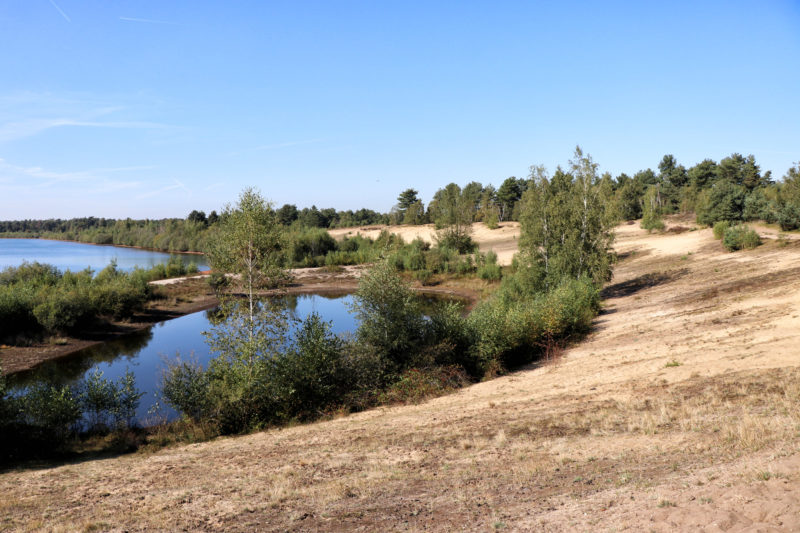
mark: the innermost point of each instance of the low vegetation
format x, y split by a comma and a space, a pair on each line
740, 237
37, 299
47, 419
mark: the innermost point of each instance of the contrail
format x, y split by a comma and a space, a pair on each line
60, 11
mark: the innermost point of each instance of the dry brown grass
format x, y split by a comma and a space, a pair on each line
606, 438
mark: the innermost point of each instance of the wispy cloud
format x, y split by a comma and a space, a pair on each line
149, 21
275, 146
60, 11
11, 131
96, 179
157, 192
27, 114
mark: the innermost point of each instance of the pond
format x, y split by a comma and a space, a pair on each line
145, 353
76, 256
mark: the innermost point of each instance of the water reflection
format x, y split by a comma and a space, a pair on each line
145, 352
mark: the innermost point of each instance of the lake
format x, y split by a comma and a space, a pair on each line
146, 351
76, 256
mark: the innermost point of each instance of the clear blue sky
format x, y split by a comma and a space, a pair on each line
152, 109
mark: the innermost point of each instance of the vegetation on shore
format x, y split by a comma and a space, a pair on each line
38, 299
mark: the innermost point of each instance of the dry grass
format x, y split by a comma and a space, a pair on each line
606, 438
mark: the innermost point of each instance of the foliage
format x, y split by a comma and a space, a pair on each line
651, 219
185, 386
452, 211
107, 403
512, 328
566, 224
313, 375
37, 298
720, 227
740, 237
725, 201
390, 319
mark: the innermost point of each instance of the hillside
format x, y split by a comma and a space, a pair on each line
679, 412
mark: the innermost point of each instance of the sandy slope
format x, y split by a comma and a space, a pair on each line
503, 240
678, 413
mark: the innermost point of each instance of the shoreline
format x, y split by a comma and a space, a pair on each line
145, 248
17, 359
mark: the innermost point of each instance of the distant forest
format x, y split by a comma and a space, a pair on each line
733, 189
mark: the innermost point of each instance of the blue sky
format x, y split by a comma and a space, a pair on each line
152, 109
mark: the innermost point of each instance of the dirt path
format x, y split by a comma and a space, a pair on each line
678, 413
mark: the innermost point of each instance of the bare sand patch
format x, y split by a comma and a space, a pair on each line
502, 240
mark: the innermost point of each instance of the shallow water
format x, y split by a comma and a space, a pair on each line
76, 256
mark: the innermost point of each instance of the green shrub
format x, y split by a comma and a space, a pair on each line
465, 266
390, 316
425, 277
512, 329
51, 412
63, 311
652, 221
739, 238
725, 201
490, 272
459, 242
175, 267
218, 281
758, 207
186, 387
109, 404
788, 216
720, 227
312, 376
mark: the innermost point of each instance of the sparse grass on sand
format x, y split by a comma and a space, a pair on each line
609, 437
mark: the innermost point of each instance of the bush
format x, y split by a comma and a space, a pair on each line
185, 386
725, 201
218, 281
63, 311
460, 242
739, 238
490, 272
390, 316
513, 328
788, 216
51, 412
758, 207
311, 377
720, 227
109, 404
652, 221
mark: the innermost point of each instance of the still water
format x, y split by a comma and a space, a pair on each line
77, 256
145, 353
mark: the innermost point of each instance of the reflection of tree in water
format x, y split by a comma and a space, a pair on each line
72, 368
